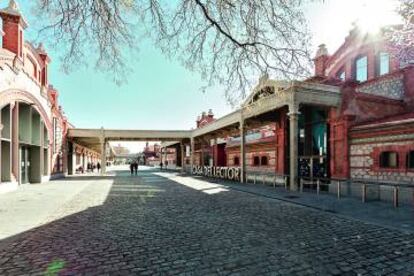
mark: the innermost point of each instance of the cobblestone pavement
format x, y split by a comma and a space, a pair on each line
152, 225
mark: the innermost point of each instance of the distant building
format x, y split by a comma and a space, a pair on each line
120, 150
151, 154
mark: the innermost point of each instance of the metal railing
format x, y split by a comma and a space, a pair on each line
321, 184
364, 184
268, 177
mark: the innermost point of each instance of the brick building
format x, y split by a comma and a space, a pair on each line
352, 120
32, 123
151, 154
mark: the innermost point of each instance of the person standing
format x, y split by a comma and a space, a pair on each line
98, 167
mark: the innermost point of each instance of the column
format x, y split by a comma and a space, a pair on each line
215, 153
182, 156
65, 157
293, 146
42, 152
242, 153
103, 156
165, 157
191, 154
15, 142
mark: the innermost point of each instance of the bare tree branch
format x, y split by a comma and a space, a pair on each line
230, 42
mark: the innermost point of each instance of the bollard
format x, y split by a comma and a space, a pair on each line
364, 192
274, 182
338, 189
301, 185
318, 186
413, 196
396, 190
286, 185
254, 179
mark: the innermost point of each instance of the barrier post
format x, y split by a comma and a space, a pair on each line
396, 190
286, 185
413, 194
254, 179
364, 193
338, 189
301, 185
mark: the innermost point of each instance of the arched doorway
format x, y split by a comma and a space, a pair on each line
5, 140
33, 144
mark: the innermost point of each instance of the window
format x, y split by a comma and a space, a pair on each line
236, 161
361, 69
383, 63
264, 161
410, 160
256, 161
341, 75
388, 159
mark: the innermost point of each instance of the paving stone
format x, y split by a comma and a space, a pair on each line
172, 227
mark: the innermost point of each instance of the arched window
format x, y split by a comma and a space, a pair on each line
236, 161
264, 161
410, 159
341, 75
361, 68
383, 64
388, 159
256, 161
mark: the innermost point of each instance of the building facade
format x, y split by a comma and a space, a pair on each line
32, 123
352, 120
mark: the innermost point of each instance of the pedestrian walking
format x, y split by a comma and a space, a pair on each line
131, 167
136, 167
98, 166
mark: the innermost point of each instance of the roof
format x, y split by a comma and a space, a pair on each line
13, 10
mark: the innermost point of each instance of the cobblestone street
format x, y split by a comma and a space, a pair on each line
161, 224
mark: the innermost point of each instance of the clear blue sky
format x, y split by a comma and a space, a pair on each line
162, 94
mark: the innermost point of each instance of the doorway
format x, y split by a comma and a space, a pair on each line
24, 153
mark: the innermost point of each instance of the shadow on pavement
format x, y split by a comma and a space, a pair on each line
164, 227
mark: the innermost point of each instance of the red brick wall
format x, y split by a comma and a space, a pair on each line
281, 142
338, 143
409, 86
11, 39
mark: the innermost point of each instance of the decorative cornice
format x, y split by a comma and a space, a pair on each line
392, 138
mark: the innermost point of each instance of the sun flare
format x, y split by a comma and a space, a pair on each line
372, 15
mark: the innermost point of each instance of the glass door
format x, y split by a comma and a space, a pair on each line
24, 164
